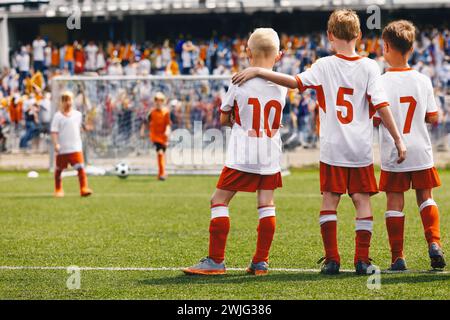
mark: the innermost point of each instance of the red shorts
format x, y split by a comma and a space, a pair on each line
402, 181
346, 179
235, 180
75, 159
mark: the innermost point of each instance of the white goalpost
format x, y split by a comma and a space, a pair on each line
115, 109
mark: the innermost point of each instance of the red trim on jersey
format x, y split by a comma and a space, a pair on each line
348, 58
381, 105
376, 121
237, 118
225, 112
300, 85
319, 92
431, 114
399, 69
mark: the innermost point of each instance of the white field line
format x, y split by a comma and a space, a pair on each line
286, 270
149, 194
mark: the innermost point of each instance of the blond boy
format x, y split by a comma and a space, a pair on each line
66, 138
253, 156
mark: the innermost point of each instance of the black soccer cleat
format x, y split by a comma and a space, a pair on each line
398, 265
330, 267
436, 256
361, 267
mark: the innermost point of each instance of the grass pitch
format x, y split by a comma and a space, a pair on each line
140, 222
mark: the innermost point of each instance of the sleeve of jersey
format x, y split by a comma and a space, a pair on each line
375, 91
309, 78
432, 108
55, 124
228, 100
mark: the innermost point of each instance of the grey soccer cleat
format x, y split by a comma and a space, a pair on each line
398, 265
206, 266
258, 269
329, 267
436, 256
361, 267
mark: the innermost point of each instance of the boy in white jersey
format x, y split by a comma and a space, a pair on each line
253, 156
66, 138
411, 97
349, 93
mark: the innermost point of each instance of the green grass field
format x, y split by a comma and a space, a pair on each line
140, 222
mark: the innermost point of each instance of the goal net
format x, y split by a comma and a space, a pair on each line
115, 109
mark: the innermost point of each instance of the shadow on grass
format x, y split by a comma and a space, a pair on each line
243, 278
413, 279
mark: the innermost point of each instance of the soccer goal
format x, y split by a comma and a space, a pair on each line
115, 109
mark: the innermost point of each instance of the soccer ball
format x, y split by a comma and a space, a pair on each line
122, 170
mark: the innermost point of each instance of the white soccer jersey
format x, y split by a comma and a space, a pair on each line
345, 87
68, 129
411, 97
255, 143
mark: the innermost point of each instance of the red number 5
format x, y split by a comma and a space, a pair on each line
340, 101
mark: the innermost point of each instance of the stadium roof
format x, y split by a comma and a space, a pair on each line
63, 8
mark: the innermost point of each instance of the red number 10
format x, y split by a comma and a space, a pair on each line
269, 129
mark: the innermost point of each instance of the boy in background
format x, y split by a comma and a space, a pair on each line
66, 138
349, 92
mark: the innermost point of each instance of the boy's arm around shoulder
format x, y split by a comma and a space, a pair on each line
256, 72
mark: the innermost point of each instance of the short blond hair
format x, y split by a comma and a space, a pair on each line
264, 41
66, 95
344, 24
400, 34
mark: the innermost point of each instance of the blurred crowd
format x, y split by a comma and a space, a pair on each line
120, 106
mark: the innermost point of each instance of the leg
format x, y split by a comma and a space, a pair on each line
220, 224
395, 224
61, 164
429, 213
77, 162
328, 225
363, 228
266, 226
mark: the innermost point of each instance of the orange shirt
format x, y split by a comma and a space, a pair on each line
69, 53
159, 120
55, 58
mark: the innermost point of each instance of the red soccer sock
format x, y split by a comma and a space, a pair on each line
161, 165
82, 179
429, 213
395, 224
266, 231
58, 180
218, 232
328, 229
364, 228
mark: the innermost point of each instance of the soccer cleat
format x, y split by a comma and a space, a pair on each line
361, 267
329, 267
398, 265
86, 192
162, 178
258, 269
436, 256
59, 193
206, 266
